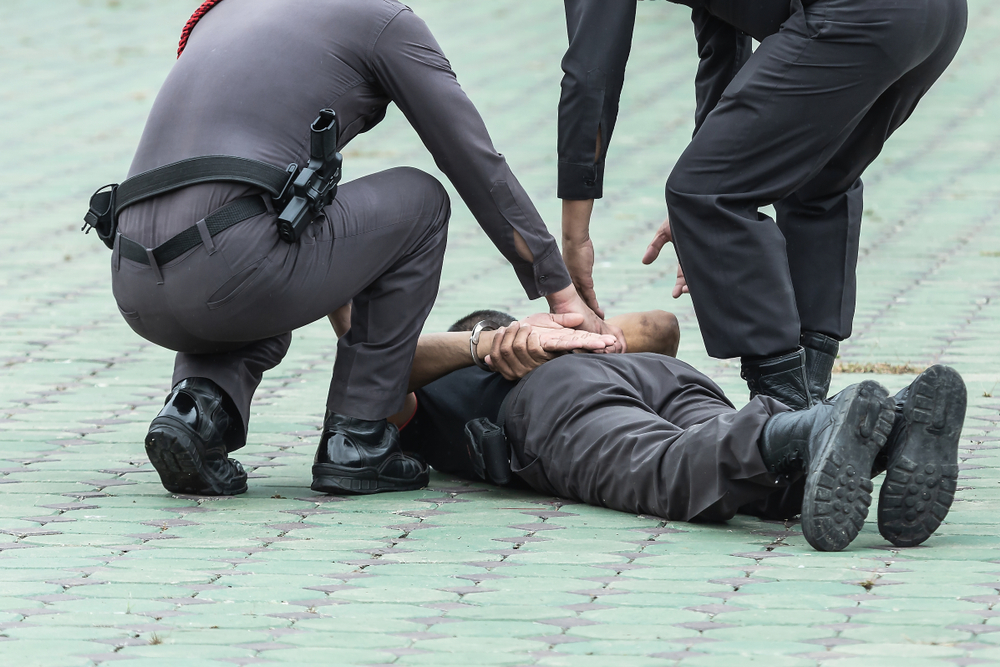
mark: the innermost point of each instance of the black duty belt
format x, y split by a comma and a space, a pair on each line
220, 220
298, 194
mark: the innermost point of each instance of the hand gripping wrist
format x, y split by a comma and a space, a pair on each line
480, 327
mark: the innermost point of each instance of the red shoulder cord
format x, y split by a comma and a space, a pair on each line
193, 21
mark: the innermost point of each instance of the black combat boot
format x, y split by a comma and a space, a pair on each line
782, 377
921, 457
189, 441
821, 353
834, 444
358, 456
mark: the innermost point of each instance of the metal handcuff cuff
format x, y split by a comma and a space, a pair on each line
481, 326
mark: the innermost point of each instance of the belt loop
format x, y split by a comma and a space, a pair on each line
118, 252
153, 265
268, 203
206, 237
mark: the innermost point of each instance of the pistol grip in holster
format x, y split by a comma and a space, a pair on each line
101, 215
315, 185
488, 451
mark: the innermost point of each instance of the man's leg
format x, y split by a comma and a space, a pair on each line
237, 373
821, 221
639, 433
798, 100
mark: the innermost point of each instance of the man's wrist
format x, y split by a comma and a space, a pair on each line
477, 340
576, 220
565, 300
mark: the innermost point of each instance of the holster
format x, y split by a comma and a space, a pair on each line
101, 215
488, 451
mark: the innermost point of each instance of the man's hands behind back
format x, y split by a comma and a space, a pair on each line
526, 345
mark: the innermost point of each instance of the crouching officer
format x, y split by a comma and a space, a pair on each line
232, 231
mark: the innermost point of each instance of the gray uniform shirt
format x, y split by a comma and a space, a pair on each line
254, 75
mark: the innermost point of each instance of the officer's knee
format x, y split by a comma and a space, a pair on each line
430, 198
687, 194
683, 184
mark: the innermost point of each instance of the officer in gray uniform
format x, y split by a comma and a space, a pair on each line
201, 269
793, 124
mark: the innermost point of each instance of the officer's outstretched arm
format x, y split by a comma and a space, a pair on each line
416, 75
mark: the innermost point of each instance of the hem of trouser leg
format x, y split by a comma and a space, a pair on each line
370, 408
768, 481
224, 382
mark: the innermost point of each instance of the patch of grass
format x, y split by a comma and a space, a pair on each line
990, 253
878, 368
155, 639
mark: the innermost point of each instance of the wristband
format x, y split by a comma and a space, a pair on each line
481, 326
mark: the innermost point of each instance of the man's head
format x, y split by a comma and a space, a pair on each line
493, 317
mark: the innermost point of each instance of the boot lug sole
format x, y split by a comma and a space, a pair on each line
921, 479
179, 463
838, 487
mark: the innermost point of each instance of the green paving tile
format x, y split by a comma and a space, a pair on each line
928, 291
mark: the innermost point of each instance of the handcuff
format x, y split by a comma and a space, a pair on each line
481, 326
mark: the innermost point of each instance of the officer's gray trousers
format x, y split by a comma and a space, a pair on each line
800, 122
228, 310
641, 433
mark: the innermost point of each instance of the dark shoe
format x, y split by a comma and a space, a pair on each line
834, 443
782, 377
186, 442
921, 457
821, 353
357, 456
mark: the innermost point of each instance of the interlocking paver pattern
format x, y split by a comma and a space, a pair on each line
98, 565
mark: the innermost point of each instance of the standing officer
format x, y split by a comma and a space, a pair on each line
793, 124
198, 265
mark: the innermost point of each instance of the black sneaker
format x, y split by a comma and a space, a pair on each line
186, 442
834, 444
922, 457
360, 457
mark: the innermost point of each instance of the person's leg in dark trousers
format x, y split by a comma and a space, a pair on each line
821, 221
639, 433
381, 243
801, 103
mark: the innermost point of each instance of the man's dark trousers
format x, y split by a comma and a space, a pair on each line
796, 127
230, 308
642, 433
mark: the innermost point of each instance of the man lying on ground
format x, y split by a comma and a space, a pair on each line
646, 433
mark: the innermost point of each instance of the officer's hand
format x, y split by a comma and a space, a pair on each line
567, 301
579, 259
523, 346
341, 319
662, 237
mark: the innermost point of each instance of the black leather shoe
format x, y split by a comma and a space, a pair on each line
834, 444
921, 457
782, 377
186, 442
357, 456
821, 353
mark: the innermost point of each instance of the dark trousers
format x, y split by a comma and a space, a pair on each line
229, 310
641, 433
803, 118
